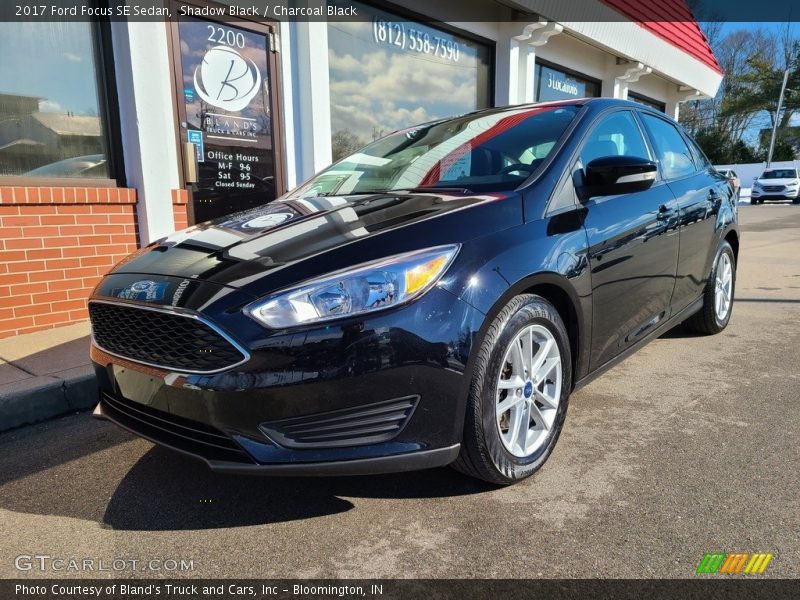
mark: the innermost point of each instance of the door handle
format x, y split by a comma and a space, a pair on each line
664, 212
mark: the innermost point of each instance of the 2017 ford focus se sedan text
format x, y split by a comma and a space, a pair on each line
432, 299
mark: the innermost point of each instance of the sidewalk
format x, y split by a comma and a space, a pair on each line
45, 374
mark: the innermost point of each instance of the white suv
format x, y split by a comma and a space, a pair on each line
776, 184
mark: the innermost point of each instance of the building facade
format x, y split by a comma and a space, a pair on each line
115, 134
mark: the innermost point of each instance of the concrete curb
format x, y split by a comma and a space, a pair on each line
45, 397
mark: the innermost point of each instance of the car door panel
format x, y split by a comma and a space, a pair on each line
633, 247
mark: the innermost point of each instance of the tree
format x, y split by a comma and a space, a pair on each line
754, 62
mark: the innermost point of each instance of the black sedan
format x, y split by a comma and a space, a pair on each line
433, 299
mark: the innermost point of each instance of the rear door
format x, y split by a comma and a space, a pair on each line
633, 245
699, 192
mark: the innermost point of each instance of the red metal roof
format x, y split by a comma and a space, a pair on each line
672, 21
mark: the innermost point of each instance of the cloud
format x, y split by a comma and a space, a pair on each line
50, 106
71, 57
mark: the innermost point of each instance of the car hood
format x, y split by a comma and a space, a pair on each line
268, 247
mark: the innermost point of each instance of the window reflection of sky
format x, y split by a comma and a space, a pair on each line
378, 87
50, 60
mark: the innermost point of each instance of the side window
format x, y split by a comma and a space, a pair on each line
673, 153
616, 135
700, 159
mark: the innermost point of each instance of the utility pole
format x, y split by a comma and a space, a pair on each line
777, 118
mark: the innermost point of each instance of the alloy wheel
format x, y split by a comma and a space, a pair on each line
528, 390
724, 287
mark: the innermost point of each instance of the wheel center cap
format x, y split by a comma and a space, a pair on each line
528, 389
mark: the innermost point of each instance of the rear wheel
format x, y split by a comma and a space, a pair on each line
717, 295
519, 393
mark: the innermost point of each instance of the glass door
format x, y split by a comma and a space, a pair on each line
225, 82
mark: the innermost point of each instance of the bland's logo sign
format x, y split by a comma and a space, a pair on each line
227, 79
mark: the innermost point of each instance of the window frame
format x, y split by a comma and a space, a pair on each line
108, 105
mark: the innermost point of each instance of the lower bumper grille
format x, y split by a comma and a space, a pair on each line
366, 424
174, 431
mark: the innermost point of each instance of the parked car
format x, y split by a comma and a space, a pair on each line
438, 307
776, 184
733, 179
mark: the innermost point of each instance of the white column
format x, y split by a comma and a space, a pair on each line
677, 96
519, 57
620, 75
147, 122
311, 98
506, 67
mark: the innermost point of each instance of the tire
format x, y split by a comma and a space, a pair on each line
796, 200
708, 319
753, 201
485, 450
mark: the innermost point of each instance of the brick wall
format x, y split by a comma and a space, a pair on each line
55, 244
180, 204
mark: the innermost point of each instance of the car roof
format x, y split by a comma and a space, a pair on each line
595, 103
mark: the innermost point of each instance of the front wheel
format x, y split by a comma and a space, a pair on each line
717, 295
518, 394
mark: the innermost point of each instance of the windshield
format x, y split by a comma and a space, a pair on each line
487, 152
780, 174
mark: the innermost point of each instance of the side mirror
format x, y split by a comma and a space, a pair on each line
612, 175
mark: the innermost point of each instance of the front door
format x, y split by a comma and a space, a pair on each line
226, 82
633, 246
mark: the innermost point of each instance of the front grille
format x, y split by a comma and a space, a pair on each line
162, 339
171, 430
366, 424
773, 188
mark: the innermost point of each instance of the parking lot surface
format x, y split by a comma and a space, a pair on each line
690, 446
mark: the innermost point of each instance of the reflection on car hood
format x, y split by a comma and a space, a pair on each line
246, 246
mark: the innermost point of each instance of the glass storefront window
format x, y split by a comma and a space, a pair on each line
387, 73
51, 123
555, 84
660, 106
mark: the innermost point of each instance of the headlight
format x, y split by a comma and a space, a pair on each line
366, 288
756, 185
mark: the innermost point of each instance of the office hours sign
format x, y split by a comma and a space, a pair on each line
226, 92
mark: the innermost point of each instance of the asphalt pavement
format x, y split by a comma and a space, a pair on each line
690, 446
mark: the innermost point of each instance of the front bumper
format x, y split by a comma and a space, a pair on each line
784, 195
415, 356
